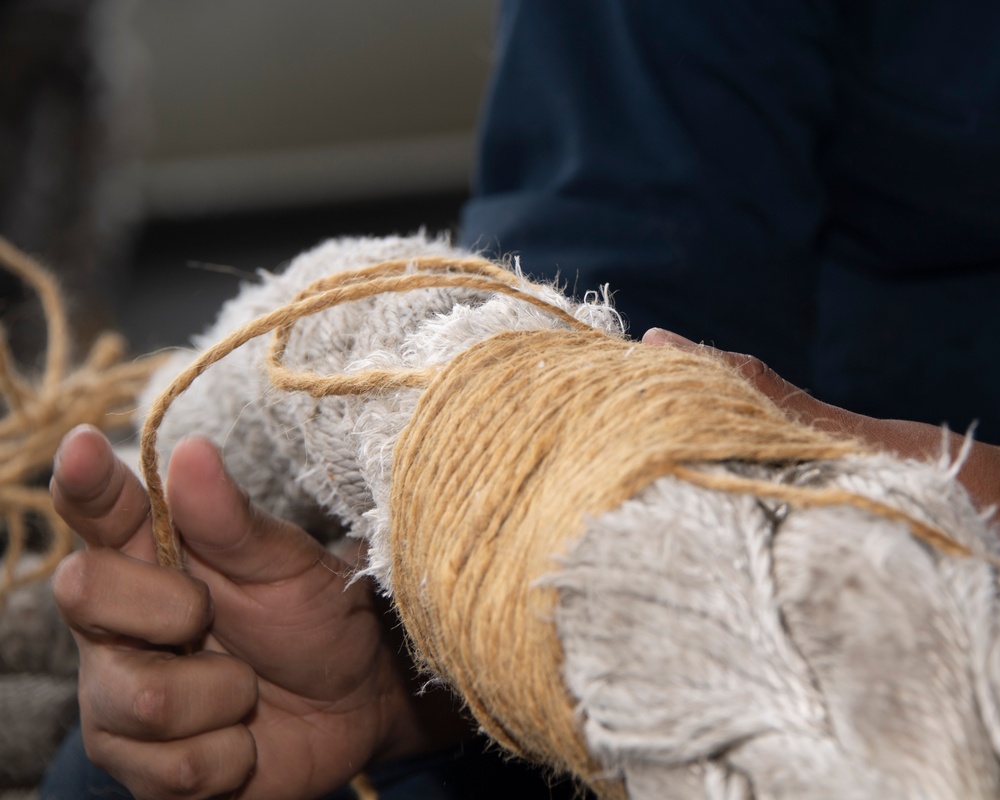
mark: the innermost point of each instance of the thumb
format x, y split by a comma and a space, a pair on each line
223, 529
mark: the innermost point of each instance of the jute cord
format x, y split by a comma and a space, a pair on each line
40, 410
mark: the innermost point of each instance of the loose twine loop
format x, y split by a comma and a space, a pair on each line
40, 410
513, 445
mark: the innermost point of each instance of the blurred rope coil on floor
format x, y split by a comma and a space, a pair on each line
40, 407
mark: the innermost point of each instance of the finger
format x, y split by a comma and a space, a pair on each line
224, 530
796, 403
165, 606
765, 379
156, 696
799, 404
98, 496
214, 763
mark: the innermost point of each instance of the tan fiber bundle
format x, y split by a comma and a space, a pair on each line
516, 443
40, 410
626, 561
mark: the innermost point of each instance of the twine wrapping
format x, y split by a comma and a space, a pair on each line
40, 410
514, 443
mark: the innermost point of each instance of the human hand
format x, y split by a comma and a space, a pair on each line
295, 683
980, 473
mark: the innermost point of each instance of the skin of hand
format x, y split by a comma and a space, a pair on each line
980, 472
298, 679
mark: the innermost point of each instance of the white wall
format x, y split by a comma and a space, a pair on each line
257, 103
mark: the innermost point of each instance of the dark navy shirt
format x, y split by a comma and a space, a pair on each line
813, 182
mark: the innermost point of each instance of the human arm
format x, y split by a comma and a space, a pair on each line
980, 472
297, 681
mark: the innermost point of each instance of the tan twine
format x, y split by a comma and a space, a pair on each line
40, 410
513, 445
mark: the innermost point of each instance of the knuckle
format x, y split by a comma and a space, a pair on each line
186, 774
749, 365
756, 371
151, 706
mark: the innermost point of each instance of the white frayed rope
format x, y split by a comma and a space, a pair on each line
717, 645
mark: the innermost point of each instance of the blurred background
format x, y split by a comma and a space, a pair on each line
155, 153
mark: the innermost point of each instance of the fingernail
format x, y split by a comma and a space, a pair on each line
659, 337
57, 456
